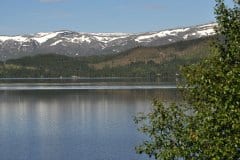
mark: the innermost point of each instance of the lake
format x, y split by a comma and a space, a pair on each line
87, 121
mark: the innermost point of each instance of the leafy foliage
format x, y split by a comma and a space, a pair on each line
209, 126
163, 125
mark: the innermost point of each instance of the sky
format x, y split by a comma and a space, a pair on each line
130, 16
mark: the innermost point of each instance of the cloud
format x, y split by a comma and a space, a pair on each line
50, 1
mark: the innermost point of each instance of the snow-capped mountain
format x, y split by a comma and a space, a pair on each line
85, 44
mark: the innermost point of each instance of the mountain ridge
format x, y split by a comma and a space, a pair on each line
75, 44
149, 62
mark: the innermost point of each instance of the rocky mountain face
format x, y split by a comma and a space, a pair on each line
85, 44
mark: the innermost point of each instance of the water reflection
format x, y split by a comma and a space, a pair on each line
83, 124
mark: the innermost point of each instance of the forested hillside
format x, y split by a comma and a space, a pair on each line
150, 62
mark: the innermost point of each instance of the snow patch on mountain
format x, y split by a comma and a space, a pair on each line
107, 39
78, 43
55, 43
78, 39
81, 39
207, 32
110, 34
210, 25
14, 38
43, 37
147, 38
25, 45
186, 36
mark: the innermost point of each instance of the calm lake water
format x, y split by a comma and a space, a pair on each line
38, 122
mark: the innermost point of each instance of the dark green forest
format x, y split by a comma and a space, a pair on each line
162, 61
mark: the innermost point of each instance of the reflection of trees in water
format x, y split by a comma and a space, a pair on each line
161, 94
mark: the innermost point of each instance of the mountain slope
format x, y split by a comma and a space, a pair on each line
85, 44
196, 48
161, 61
